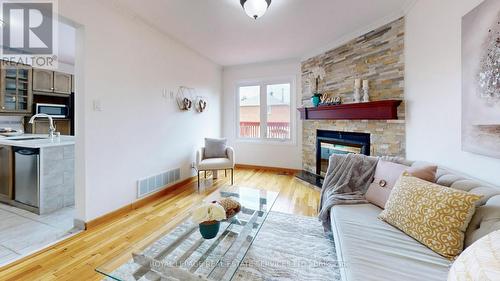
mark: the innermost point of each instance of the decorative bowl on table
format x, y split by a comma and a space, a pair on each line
232, 207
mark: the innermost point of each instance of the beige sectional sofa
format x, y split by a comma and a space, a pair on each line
371, 249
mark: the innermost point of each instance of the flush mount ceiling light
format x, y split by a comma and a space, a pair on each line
255, 8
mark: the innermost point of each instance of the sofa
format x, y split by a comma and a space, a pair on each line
370, 249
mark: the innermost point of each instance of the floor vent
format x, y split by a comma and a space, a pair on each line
154, 183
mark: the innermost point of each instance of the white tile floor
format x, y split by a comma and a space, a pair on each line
22, 232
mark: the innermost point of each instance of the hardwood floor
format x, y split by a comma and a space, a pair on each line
77, 257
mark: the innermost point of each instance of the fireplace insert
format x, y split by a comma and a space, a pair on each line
335, 142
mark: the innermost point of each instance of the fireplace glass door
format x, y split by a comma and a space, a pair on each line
330, 148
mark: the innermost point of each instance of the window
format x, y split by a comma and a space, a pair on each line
250, 112
278, 113
264, 111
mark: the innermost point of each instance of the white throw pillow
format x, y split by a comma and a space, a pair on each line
479, 262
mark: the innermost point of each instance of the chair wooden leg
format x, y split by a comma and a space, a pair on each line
205, 174
198, 181
225, 173
232, 176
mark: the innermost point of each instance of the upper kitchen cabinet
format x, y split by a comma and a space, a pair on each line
43, 80
15, 89
51, 82
62, 83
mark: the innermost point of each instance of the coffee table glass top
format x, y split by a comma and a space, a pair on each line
177, 249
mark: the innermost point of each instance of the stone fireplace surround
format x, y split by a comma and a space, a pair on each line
386, 137
378, 57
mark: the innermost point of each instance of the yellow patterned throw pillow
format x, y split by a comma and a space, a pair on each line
436, 216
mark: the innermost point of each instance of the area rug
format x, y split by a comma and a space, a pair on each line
290, 247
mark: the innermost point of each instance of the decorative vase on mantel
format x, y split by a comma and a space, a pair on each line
316, 98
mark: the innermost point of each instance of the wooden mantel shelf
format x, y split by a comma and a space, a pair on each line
375, 110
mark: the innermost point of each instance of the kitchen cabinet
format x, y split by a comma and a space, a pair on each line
62, 83
33, 180
51, 82
16, 95
43, 80
6, 172
41, 126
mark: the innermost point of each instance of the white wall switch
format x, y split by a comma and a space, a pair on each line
97, 105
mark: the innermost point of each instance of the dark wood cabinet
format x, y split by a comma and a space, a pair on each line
16, 95
51, 82
62, 83
6, 172
43, 80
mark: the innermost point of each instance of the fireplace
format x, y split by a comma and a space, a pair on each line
335, 142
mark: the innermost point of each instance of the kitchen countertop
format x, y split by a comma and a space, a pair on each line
44, 141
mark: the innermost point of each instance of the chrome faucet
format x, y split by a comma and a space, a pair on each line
52, 128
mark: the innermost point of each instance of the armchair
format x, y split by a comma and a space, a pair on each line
214, 164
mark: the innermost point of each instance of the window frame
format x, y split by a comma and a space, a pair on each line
263, 83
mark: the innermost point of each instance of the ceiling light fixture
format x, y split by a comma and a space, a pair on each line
255, 8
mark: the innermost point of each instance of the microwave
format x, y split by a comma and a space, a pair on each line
53, 110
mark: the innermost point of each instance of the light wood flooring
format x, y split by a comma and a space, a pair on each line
77, 257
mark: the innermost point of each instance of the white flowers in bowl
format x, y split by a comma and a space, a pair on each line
209, 212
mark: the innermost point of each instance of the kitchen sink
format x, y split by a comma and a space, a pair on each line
26, 139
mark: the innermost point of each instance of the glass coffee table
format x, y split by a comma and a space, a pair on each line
179, 252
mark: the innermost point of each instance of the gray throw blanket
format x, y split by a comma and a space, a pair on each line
346, 182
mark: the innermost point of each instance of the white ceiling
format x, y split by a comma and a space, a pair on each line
222, 32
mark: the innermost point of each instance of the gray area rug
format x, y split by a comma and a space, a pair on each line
290, 247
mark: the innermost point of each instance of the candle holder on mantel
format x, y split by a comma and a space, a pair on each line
366, 89
357, 94
366, 96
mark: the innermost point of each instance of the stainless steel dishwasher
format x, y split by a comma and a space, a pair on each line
26, 175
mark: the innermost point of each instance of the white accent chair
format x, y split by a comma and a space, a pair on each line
214, 164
